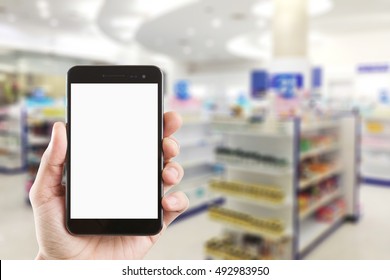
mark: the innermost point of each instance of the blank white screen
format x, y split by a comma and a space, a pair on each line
114, 151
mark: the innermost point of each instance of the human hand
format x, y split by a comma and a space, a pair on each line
47, 197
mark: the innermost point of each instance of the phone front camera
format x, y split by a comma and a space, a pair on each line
143, 76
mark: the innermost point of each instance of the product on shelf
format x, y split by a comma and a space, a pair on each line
239, 156
246, 221
12, 122
243, 246
308, 197
315, 166
308, 143
375, 127
225, 249
331, 212
253, 191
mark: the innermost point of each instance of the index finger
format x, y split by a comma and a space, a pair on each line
172, 122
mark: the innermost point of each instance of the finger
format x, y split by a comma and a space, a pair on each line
48, 180
170, 148
174, 205
172, 175
172, 122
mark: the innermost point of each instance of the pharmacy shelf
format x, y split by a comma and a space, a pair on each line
311, 231
251, 130
318, 204
224, 252
34, 140
12, 136
255, 201
211, 140
264, 234
377, 119
196, 162
285, 143
305, 183
319, 151
376, 148
261, 169
317, 126
379, 134
195, 121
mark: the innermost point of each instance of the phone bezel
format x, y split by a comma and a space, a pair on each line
104, 75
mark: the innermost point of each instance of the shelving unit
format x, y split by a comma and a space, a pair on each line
197, 143
263, 185
40, 120
376, 150
12, 139
319, 160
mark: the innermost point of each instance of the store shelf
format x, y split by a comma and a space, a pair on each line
224, 251
195, 121
199, 142
375, 149
246, 227
312, 230
377, 119
319, 151
246, 195
377, 134
251, 130
34, 140
261, 169
317, 126
196, 162
257, 202
304, 184
320, 203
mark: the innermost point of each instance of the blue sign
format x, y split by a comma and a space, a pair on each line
286, 84
259, 84
373, 68
316, 77
182, 90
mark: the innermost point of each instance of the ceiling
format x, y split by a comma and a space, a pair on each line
188, 30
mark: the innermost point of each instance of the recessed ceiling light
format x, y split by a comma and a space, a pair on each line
210, 43
266, 8
43, 9
216, 23
127, 22
244, 47
126, 35
42, 4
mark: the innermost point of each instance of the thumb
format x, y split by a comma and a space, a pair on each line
48, 180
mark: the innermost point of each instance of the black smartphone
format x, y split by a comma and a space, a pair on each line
114, 155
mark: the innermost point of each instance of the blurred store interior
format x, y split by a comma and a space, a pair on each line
286, 108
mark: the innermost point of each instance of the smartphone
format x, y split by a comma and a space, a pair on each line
114, 155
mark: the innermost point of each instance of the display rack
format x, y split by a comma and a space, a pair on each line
286, 185
40, 120
12, 139
376, 150
197, 143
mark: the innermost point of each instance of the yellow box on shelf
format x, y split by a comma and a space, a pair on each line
374, 127
268, 228
263, 193
223, 249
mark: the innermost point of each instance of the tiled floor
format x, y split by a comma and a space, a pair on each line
368, 239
